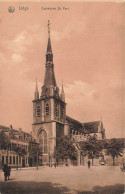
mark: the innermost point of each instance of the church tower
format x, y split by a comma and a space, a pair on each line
49, 110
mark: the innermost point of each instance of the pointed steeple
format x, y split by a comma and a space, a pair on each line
49, 80
36, 94
62, 93
49, 49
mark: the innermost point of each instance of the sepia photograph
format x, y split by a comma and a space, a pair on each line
62, 97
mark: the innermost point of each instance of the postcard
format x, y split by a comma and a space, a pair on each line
62, 97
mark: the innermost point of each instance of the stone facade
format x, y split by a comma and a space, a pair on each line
20, 139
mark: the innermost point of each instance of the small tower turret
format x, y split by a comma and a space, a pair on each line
36, 94
62, 93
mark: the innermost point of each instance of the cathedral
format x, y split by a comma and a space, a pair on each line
49, 113
50, 122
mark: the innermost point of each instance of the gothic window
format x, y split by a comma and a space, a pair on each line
43, 141
56, 110
47, 110
62, 112
38, 111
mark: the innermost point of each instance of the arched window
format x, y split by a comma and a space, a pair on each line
47, 110
62, 112
43, 141
56, 110
38, 111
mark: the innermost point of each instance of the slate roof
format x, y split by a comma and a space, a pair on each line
92, 127
4, 127
14, 132
88, 127
73, 121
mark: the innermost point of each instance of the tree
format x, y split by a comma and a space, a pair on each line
4, 142
65, 149
91, 148
114, 148
21, 152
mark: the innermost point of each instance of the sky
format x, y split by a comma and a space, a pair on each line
87, 44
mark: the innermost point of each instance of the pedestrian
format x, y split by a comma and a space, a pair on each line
55, 164
5, 170
89, 164
9, 170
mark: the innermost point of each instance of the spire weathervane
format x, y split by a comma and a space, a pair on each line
49, 28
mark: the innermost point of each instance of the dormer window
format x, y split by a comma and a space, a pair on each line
38, 111
7, 133
47, 109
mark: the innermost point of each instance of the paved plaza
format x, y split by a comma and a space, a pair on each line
97, 179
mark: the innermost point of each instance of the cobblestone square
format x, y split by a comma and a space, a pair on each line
97, 179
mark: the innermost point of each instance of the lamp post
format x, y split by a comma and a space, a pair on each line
49, 156
37, 159
37, 155
7, 143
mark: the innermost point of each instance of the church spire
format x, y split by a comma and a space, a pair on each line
36, 94
62, 93
49, 49
49, 80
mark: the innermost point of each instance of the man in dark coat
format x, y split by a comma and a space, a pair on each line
89, 164
5, 170
55, 164
9, 170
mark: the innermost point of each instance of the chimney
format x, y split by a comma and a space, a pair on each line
11, 127
20, 129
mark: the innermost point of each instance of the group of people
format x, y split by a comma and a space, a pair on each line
89, 164
6, 169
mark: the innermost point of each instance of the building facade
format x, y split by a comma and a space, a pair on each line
16, 147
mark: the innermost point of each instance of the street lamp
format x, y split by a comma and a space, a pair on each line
37, 154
